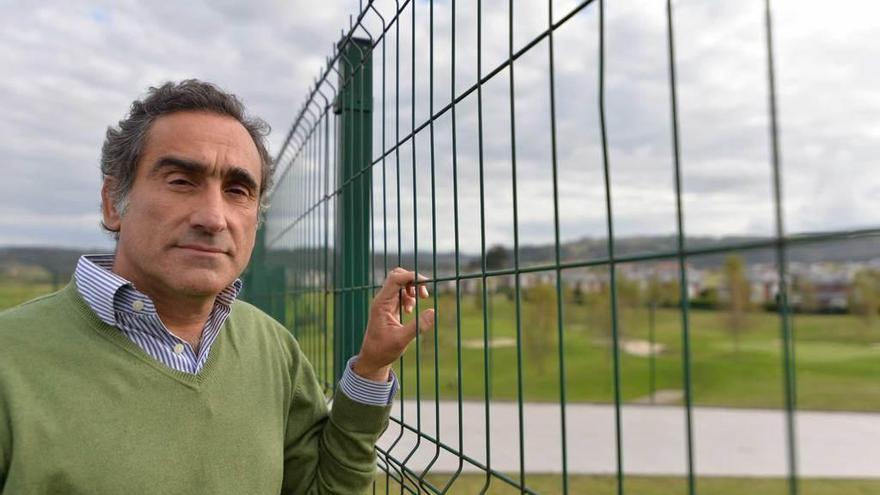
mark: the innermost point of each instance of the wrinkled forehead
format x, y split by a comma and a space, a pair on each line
217, 142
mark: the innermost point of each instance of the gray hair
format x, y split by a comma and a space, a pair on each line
124, 144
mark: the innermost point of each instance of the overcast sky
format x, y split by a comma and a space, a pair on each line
72, 68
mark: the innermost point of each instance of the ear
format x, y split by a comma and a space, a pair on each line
111, 217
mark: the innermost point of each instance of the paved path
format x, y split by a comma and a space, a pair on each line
727, 442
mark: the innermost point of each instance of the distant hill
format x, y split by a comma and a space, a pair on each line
854, 249
60, 262
857, 249
53, 262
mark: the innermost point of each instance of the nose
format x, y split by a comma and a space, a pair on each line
209, 213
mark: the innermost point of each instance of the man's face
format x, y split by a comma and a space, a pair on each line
189, 227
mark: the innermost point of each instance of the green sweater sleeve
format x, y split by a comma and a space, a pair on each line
5, 436
5, 441
329, 452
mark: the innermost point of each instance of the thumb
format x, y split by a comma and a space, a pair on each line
425, 320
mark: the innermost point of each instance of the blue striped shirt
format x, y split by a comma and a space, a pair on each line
117, 303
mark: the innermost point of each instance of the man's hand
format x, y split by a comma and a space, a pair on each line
386, 338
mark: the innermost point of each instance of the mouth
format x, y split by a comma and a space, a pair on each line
202, 249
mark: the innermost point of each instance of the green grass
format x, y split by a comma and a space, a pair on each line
469, 484
837, 357
15, 293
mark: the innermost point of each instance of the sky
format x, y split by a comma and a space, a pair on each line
72, 68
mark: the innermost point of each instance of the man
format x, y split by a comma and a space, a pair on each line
146, 375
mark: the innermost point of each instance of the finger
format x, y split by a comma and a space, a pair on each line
425, 323
412, 287
397, 279
408, 303
405, 300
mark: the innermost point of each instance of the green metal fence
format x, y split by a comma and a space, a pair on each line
373, 175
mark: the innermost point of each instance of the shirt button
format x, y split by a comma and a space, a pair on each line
178, 349
138, 305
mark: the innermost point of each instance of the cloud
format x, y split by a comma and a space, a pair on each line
73, 68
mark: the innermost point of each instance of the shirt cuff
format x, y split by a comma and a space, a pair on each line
369, 392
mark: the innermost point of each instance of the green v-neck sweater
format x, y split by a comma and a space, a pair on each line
83, 410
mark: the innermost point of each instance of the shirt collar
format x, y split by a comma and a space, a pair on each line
102, 289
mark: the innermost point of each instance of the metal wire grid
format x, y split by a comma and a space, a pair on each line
309, 188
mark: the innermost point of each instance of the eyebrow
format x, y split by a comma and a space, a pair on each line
232, 174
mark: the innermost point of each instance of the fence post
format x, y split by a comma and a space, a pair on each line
263, 286
354, 188
255, 289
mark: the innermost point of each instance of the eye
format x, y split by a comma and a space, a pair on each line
179, 180
239, 191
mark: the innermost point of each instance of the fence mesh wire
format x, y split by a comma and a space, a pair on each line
483, 144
